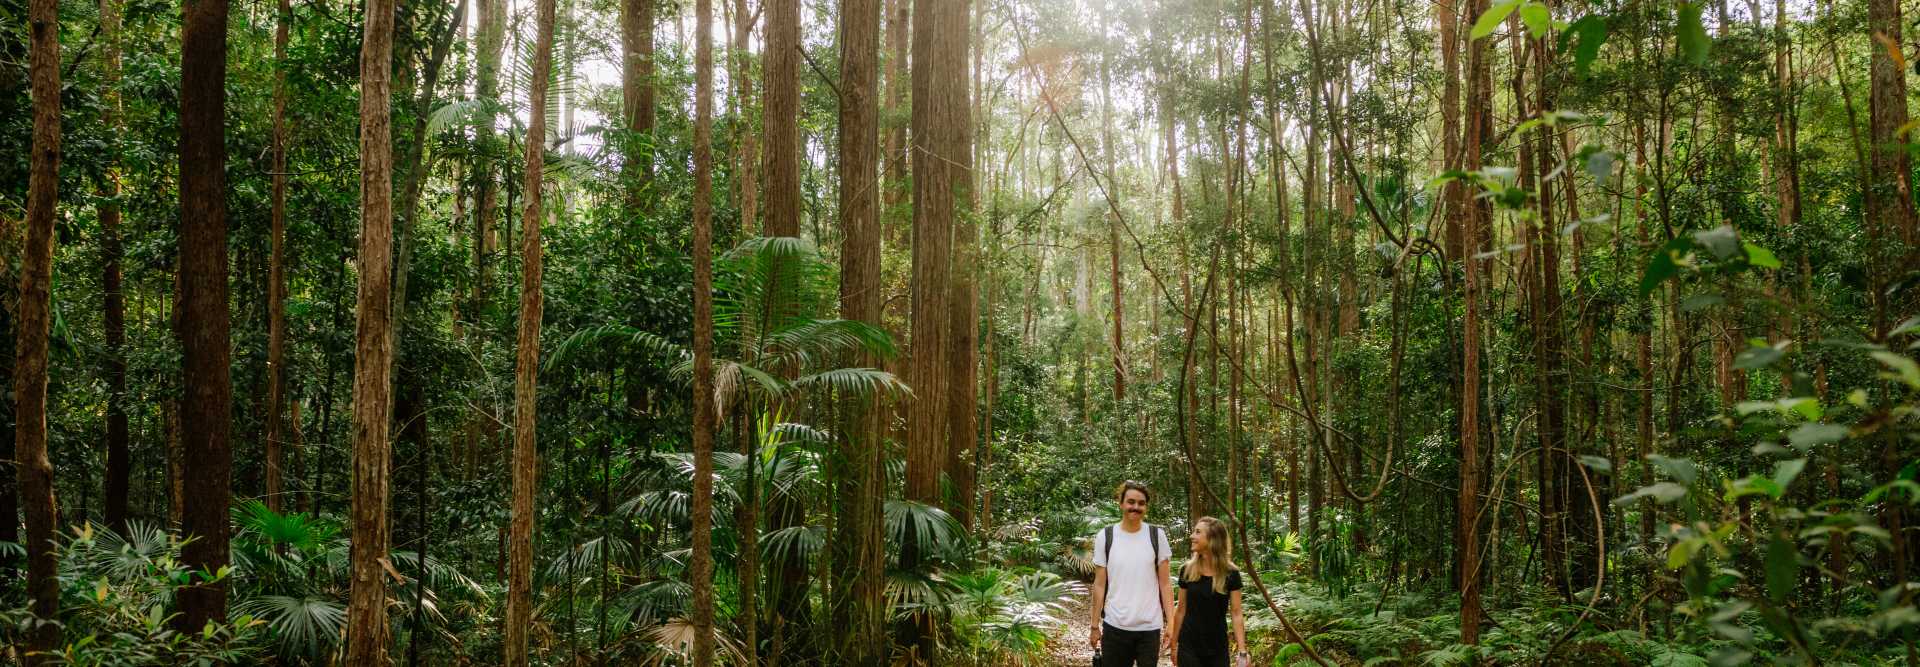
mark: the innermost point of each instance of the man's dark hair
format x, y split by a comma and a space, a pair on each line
1130, 485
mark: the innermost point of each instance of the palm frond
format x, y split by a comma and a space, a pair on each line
861, 382
302, 624
808, 342
930, 529
794, 544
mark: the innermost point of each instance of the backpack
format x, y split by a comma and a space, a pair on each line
1153, 538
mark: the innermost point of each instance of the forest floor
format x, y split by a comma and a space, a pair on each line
1069, 646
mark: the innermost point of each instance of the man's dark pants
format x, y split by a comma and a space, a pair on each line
1129, 648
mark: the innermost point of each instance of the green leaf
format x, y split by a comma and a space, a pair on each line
1783, 567
1664, 264
1538, 20
1761, 257
1757, 357
1587, 34
1682, 552
1600, 165
1904, 368
1694, 43
1911, 325
1490, 21
1597, 463
1784, 472
1809, 435
1722, 241
1679, 469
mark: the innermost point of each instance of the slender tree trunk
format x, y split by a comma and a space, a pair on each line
526, 463
746, 176
490, 35
703, 414
206, 413
1475, 225
636, 93
367, 630
277, 268
114, 320
35, 471
893, 147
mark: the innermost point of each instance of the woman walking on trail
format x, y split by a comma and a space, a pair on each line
1209, 591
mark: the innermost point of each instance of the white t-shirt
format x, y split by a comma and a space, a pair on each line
1133, 577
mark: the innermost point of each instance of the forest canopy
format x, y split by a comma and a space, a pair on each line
696, 332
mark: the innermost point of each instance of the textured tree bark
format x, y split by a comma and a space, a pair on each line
526, 403
1475, 226
35, 471
860, 605
636, 91
490, 36
940, 158
206, 412
114, 319
277, 268
1891, 219
367, 630
893, 148
740, 62
703, 414
780, 117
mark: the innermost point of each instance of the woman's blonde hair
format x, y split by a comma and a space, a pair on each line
1219, 550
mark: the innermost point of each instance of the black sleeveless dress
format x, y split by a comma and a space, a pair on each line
1203, 632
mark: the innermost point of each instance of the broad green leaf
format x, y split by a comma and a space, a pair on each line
1664, 264
1784, 472
1588, 34
1911, 325
1600, 165
1538, 20
1757, 357
1694, 43
1597, 463
1682, 552
1783, 568
1679, 469
1761, 257
1809, 435
1722, 241
1490, 21
1752, 485
1904, 368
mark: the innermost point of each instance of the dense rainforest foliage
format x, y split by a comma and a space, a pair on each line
750, 332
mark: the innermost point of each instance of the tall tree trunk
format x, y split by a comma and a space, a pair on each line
859, 609
367, 630
1890, 211
1475, 225
35, 471
940, 158
893, 147
703, 414
636, 92
740, 58
526, 463
206, 412
277, 268
490, 35
114, 320
780, 117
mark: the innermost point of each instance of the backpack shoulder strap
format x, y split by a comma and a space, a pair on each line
1154, 537
1106, 543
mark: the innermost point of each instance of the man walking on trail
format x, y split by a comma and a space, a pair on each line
1131, 593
